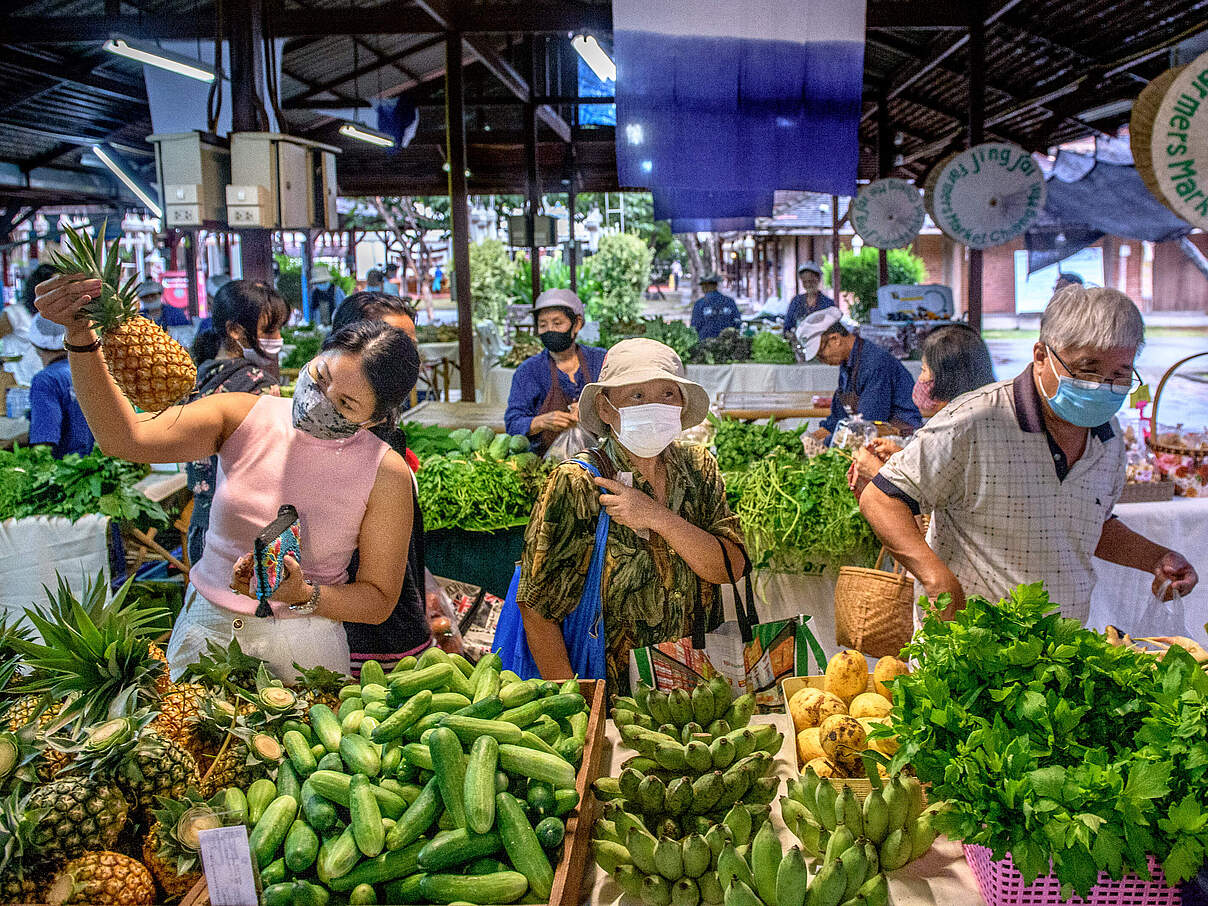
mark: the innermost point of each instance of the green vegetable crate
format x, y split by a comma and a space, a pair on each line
576, 851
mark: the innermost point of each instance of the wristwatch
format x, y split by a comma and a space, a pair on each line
310, 605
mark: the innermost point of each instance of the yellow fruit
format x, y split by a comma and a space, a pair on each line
869, 704
824, 767
842, 735
809, 745
799, 703
884, 746
887, 668
819, 708
102, 879
847, 675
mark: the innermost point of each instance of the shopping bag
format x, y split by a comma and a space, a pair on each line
754, 657
582, 629
1161, 618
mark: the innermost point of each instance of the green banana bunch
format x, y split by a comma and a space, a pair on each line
765, 877
709, 708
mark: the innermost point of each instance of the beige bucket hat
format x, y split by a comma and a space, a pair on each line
635, 362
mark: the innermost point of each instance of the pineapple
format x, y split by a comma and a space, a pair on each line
171, 849
180, 713
151, 368
247, 756
102, 879
318, 684
15, 825
226, 669
80, 814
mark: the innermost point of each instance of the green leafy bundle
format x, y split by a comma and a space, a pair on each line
524, 346
738, 443
798, 512
34, 483
771, 349
307, 344
1053, 745
676, 334
478, 495
728, 346
436, 333
428, 440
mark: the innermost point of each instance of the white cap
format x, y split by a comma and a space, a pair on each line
813, 326
44, 334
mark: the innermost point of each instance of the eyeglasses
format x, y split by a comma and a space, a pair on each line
1122, 386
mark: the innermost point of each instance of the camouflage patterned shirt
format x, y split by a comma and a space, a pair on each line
648, 591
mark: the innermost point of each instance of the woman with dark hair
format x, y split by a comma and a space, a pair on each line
236, 354
407, 630
955, 361
314, 452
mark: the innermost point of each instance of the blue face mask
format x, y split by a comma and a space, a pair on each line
1087, 404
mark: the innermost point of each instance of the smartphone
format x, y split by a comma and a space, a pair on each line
281, 537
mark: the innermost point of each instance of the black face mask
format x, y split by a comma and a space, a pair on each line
557, 340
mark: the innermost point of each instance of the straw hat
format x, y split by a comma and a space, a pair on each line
636, 361
813, 326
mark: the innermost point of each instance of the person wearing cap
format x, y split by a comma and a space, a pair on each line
714, 311
872, 383
1064, 279
544, 399
55, 417
325, 294
810, 299
671, 530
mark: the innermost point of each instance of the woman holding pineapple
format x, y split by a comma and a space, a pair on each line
351, 490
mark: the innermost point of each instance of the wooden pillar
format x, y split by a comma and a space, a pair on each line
977, 130
246, 39
532, 185
572, 198
191, 273
308, 261
459, 211
835, 282
885, 154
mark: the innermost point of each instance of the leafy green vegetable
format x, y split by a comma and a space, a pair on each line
435, 333
676, 334
797, 512
738, 443
306, 343
478, 494
1049, 743
727, 346
34, 483
428, 440
771, 349
523, 346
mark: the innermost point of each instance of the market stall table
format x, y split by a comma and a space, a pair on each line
13, 431
778, 405
457, 415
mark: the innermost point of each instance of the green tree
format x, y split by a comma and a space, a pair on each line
491, 275
622, 267
859, 274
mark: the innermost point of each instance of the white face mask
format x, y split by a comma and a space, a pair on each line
648, 430
272, 347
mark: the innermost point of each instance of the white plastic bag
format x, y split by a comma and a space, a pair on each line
1161, 618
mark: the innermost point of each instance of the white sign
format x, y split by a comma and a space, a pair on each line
986, 195
1179, 143
888, 213
227, 861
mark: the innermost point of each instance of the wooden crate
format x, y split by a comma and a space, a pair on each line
576, 850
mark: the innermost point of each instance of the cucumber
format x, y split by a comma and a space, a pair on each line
362, 895
501, 887
337, 856
320, 813
457, 847
300, 755
469, 729
360, 755
318, 751
449, 763
368, 725
565, 802
386, 867
308, 894
407, 663
488, 685
433, 655
563, 704
259, 795
374, 693
533, 741
480, 784
523, 715
546, 729
405, 890
522, 845
372, 673
302, 728
397, 723
416, 820
331, 785
485, 665
273, 873
301, 846
537, 765
331, 762
351, 722
550, 832
417, 730
392, 757
486, 708
270, 831
507, 677
231, 804
418, 754
432, 678
352, 691
518, 694
288, 783
390, 803
379, 711
347, 706
366, 817
486, 866
449, 702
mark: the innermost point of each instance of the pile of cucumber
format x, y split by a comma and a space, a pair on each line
701, 781
440, 783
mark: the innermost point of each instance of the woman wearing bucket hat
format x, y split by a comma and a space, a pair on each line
671, 531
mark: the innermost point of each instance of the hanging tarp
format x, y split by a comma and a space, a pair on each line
748, 96
691, 210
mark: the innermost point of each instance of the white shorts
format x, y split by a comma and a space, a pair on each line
308, 641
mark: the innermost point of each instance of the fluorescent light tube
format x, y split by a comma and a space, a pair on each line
157, 56
114, 163
595, 57
365, 134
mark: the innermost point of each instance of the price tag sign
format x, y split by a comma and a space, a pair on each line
227, 861
1139, 396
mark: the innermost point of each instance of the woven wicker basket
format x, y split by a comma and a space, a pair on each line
874, 609
1197, 455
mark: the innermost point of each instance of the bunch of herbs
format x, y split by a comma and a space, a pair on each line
739, 443
478, 495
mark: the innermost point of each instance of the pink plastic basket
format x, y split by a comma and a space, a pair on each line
1002, 885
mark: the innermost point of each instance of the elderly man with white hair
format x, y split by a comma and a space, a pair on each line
1021, 476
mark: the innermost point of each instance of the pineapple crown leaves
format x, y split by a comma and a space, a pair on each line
90, 257
176, 841
224, 668
320, 679
19, 756
16, 823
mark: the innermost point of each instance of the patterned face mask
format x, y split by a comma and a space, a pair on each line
315, 414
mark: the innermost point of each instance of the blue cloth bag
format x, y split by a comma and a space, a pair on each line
583, 627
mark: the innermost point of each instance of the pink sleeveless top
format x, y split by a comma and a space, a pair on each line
267, 463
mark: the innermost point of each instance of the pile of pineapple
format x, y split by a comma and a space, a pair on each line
107, 768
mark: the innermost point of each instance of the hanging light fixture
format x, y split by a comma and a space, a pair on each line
118, 166
595, 57
152, 55
363, 133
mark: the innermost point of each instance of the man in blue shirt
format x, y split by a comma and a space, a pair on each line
55, 417
810, 299
714, 312
872, 383
544, 400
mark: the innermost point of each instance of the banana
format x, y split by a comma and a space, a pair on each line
794, 814
765, 861
876, 817
736, 784
827, 796
875, 891
744, 743
763, 790
855, 868
656, 705
895, 851
624, 821
679, 796
641, 850
606, 830
697, 855
914, 790
652, 795
760, 815
897, 798
828, 886
641, 764
641, 694
681, 707
623, 717
722, 752
809, 787
792, 879
656, 891
627, 703
610, 856
629, 782
764, 734
671, 756
629, 879
717, 837
810, 836
741, 710
840, 842
873, 855
703, 707
718, 728
670, 729
722, 695
685, 893
921, 837
688, 730
738, 820
710, 889
706, 791
848, 810
698, 757
669, 827
607, 788
733, 867
740, 894
756, 764
669, 858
